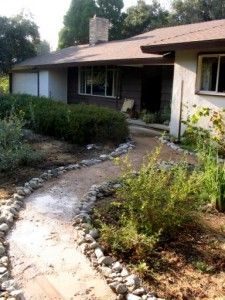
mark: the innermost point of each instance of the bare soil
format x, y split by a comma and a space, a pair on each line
55, 153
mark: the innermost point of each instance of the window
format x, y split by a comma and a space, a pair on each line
98, 81
211, 73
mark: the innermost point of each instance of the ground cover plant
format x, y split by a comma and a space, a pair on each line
159, 224
79, 124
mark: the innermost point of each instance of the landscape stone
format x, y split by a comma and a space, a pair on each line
2, 249
99, 253
117, 267
121, 289
105, 260
139, 292
94, 233
133, 280
3, 270
132, 297
124, 272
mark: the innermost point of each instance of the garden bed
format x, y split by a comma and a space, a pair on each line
190, 266
54, 153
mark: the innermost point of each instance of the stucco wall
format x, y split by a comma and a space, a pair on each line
58, 84
25, 83
185, 70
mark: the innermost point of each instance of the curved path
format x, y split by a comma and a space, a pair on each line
45, 260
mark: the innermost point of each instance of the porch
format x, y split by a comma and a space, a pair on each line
149, 86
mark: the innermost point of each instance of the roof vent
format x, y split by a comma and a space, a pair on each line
98, 30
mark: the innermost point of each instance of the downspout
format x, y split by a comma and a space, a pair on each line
38, 83
181, 109
10, 82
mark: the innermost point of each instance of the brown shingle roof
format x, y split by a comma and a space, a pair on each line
124, 50
206, 34
130, 50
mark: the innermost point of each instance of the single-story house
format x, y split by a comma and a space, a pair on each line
182, 65
101, 72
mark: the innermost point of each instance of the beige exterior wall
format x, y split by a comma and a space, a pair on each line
25, 83
185, 70
52, 83
58, 84
44, 83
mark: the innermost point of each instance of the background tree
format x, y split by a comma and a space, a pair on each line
144, 17
76, 23
18, 40
112, 10
43, 47
192, 11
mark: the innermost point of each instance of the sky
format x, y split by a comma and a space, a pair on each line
48, 14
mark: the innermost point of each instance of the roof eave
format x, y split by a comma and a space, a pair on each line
164, 48
149, 60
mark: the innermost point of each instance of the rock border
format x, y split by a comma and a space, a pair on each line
125, 284
174, 146
10, 208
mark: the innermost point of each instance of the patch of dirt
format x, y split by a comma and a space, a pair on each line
190, 267
55, 153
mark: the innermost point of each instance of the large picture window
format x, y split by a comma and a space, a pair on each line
211, 73
98, 81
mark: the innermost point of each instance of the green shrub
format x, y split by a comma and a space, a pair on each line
149, 118
152, 206
13, 152
80, 124
4, 84
212, 175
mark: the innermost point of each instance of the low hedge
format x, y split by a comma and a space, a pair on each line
80, 123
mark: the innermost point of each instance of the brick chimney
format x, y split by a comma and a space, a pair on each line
98, 30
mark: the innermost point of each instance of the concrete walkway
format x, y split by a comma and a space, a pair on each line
44, 255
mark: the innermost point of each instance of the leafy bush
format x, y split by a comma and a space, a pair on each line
4, 84
13, 152
214, 133
212, 175
153, 206
149, 118
80, 124
160, 117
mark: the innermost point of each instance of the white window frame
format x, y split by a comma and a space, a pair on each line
199, 75
106, 74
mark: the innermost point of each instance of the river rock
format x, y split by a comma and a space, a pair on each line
94, 233
132, 297
3, 270
99, 253
117, 267
133, 280
2, 249
139, 292
105, 260
121, 288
